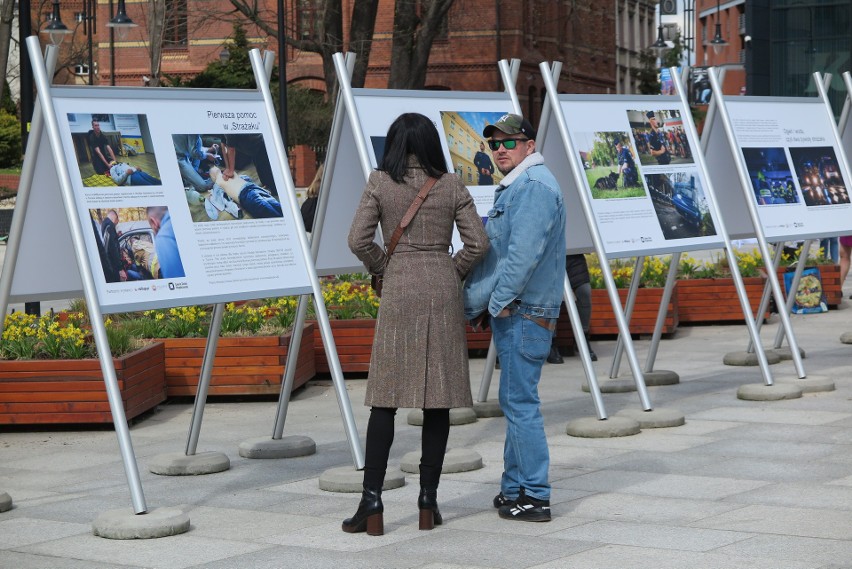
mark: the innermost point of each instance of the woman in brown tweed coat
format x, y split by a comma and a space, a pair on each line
419, 355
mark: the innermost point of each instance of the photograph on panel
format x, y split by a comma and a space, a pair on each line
113, 150
771, 176
136, 243
659, 137
819, 175
226, 177
700, 92
469, 151
680, 204
609, 163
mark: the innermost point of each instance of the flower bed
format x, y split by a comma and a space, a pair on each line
73, 391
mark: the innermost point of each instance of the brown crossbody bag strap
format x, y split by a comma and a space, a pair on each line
409, 215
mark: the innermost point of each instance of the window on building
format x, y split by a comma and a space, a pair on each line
176, 31
469, 174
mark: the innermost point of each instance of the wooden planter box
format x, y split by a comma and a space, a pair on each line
644, 315
831, 284
704, 301
73, 391
243, 366
354, 342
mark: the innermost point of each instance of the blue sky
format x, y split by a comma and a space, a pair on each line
479, 120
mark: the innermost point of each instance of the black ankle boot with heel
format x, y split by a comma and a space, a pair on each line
369, 516
430, 516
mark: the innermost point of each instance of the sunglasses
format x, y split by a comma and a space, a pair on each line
508, 143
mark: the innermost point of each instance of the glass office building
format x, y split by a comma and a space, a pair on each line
790, 39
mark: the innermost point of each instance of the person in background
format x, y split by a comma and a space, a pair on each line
419, 357
578, 275
845, 256
309, 206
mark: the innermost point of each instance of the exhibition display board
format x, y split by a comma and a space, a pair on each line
647, 192
163, 237
459, 117
798, 175
187, 199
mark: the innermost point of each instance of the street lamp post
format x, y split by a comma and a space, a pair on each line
660, 46
88, 18
282, 75
118, 21
718, 43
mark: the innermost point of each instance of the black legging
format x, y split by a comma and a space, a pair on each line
436, 430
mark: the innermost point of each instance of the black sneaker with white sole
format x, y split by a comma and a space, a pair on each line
526, 509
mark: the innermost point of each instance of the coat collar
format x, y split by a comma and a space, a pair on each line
533, 159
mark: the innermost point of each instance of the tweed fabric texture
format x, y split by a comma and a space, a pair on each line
419, 357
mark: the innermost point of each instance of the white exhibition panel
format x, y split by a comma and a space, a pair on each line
646, 221
46, 267
797, 175
459, 118
219, 261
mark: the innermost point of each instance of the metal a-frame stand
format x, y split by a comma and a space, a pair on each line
118, 524
294, 447
770, 261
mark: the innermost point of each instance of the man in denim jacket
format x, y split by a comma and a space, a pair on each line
519, 287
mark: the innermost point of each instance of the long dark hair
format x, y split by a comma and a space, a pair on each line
413, 133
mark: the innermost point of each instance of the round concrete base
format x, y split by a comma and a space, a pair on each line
594, 428
5, 502
456, 460
347, 479
179, 464
762, 392
487, 409
811, 384
124, 524
749, 358
613, 386
786, 354
660, 377
655, 418
846, 338
461, 416
285, 447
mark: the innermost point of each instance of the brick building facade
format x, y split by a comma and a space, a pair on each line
581, 34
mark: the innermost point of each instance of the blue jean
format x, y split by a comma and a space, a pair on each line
522, 346
831, 248
191, 176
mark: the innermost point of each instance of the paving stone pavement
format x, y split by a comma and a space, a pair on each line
742, 484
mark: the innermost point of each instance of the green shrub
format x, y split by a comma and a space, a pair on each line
10, 140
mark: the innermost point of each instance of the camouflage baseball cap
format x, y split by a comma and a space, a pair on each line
511, 124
